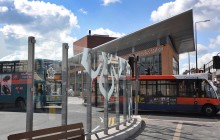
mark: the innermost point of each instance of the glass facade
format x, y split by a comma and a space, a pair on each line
175, 67
150, 65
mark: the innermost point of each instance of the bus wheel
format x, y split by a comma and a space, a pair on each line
19, 103
209, 110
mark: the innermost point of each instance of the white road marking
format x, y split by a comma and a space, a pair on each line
101, 119
95, 128
178, 131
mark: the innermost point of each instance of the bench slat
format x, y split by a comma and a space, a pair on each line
65, 135
47, 131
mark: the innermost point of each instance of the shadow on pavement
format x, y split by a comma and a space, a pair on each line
139, 132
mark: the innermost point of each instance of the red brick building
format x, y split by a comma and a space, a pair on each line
90, 41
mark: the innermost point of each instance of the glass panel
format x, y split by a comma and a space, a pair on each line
151, 88
149, 62
103, 87
171, 88
142, 91
128, 92
47, 84
156, 69
175, 66
187, 88
77, 90
129, 85
13, 83
143, 66
112, 66
97, 94
209, 91
161, 88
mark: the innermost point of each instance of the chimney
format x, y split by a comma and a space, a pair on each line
89, 32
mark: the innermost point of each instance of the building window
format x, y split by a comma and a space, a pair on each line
175, 67
151, 64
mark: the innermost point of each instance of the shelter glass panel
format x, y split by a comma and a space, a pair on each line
13, 83
47, 84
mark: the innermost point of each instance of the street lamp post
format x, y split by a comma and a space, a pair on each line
196, 41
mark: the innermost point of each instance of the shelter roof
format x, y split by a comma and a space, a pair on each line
179, 28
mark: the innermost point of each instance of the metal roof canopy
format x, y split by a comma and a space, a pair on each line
179, 28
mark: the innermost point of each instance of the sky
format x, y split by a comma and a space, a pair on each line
54, 22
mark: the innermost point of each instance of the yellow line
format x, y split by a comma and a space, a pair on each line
109, 121
178, 131
113, 121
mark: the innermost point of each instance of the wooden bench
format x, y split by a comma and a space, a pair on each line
69, 132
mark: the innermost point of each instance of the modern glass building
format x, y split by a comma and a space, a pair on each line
158, 46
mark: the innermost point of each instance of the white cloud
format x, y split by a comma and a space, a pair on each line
102, 31
107, 2
83, 11
202, 50
53, 52
34, 18
17, 55
183, 56
202, 9
3, 9
3, 45
184, 61
205, 59
185, 66
169, 9
214, 42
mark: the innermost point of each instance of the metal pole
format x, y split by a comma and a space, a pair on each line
196, 46
189, 61
30, 88
136, 92
117, 98
124, 96
106, 93
129, 99
64, 82
89, 104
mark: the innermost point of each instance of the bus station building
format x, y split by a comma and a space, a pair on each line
158, 46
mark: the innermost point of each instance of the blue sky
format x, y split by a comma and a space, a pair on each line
122, 16
69, 20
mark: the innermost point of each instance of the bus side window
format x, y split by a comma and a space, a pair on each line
148, 92
203, 94
208, 93
182, 89
159, 94
196, 92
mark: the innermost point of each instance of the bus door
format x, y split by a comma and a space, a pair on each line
198, 94
195, 86
195, 104
187, 100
